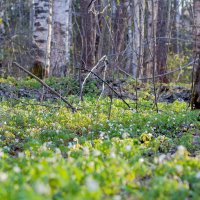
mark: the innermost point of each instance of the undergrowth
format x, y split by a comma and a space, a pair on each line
48, 152
102, 151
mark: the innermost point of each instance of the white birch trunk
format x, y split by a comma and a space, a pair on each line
151, 34
130, 37
136, 37
60, 50
141, 45
42, 29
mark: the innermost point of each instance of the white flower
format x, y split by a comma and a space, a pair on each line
150, 134
6, 148
42, 188
70, 145
1, 153
161, 158
3, 176
125, 135
141, 160
43, 147
58, 151
128, 147
86, 151
92, 184
75, 140
21, 155
181, 150
112, 155
16, 169
96, 153
179, 168
102, 134
117, 197
198, 175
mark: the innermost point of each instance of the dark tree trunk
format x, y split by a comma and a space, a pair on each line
161, 44
196, 90
88, 27
119, 29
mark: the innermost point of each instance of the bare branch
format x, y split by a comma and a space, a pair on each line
45, 85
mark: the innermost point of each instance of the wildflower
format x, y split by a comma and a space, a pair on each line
198, 175
161, 158
128, 147
112, 155
92, 184
3, 176
42, 188
70, 145
125, 135
43, 147
96, 153
181, 150
1, 153
75, 140
102, 134
117, 197
141, 160
86, 151
21, 155
58, 151
179, 168
16, 169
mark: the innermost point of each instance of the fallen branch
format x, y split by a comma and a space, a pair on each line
45, 85
171, 72
106, 83
160, 75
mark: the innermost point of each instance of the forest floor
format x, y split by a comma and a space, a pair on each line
103, 150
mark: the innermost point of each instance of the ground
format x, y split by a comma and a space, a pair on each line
100, 151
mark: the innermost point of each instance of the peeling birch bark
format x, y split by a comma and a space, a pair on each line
60, 49
42, 29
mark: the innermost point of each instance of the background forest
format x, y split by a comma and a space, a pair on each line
99, 99
138, 38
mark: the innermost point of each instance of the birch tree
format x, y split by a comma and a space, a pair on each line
60, 45
42, 33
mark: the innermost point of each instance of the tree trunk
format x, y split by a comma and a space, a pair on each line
119, 29
88, 28
42, 33
60, 37
196, 90
151, 9
161, 34
136, 37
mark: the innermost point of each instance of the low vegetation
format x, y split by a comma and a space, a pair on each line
102, 151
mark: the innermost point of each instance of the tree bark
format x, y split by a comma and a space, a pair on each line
60, 46
161, 44
88, 29
136, 37
42, 32
119, 30
196, 90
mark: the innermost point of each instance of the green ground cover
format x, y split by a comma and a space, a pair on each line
48, 152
